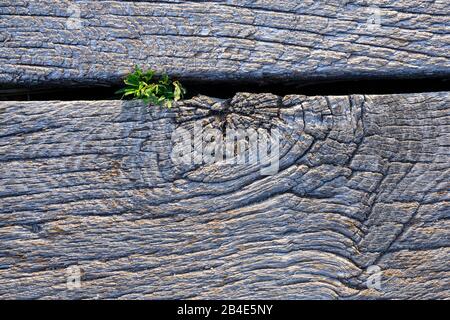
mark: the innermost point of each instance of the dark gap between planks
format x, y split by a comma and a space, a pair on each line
222, 89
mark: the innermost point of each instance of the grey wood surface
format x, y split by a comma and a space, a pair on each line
363, 182
100, 41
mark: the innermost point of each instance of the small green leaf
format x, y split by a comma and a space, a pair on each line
120, 91
164, 79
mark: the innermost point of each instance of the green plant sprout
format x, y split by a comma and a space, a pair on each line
163, 91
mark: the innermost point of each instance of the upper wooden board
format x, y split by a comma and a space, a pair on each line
100, 41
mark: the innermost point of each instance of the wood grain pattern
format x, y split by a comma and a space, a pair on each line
363, 180
48, 41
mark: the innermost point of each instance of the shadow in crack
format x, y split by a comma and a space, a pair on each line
227, 89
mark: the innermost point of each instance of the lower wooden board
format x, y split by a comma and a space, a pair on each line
358, 208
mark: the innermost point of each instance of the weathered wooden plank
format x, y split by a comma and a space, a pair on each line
363, 182
100, 41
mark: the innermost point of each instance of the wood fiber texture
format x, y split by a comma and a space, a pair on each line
264, 40
363, 182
